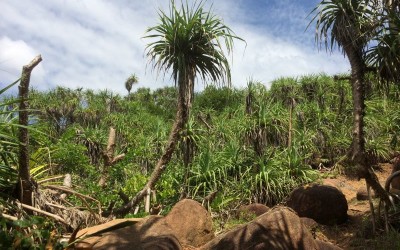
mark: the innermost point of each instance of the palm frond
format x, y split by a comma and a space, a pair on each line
340, 22
190, 38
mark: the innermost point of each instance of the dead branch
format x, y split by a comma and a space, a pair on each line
204, 121
55, 205
109, 153
117, 159
79, 195
56, 217
108, 156
123, 196
50, 179
67, 182
26, 183
209, 199
8, 217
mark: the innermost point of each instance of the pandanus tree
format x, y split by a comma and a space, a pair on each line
345, 23
133, 79
352, 25
189, 43
384, 56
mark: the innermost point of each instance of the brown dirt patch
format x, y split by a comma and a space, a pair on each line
348, 234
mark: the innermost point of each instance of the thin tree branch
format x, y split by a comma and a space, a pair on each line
81, 196
204, 122
8, 217
108, 156
56, 217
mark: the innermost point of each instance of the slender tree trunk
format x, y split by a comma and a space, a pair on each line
26, 185
187, 150
109, 158
290, 123
342, 96
357, 85
186, 87
357, 150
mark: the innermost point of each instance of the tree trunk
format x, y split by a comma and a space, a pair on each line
186, 87
26, 185
109, 159
357, 85
342, 96
291, 107
187, 151
357, 150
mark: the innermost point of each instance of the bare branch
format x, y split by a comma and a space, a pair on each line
56, 217
26, 185
81, 196
8, 217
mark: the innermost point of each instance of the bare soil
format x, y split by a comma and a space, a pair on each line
357, 231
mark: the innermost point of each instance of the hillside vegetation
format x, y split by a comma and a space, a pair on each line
239, 146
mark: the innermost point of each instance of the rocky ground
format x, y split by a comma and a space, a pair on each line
357, 232
189, 224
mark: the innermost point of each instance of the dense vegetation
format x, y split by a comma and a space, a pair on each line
226, 146
247, 145
250, 145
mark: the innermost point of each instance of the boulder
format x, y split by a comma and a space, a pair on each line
188, 223
323, 245
362, 194
309, 223
249, 212
325, 204
280, 228
140, 235
395, 183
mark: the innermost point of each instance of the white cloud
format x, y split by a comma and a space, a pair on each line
267, 58
94, 44
98, 44
13, 56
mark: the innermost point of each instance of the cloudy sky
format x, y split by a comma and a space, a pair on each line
97, 44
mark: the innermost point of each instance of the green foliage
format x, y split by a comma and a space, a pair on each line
189, 39
69, 156
242, 145
238, 137
8, 128
167, 189
8, 142
134, 184
33, 232
218, 99
8, 177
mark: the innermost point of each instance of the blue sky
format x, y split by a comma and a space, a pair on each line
97, 44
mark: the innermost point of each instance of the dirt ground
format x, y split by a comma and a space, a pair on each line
355, 233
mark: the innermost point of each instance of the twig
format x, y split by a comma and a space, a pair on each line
50, 179
56, 217
117, 159
81, 196
204, 121
55, 205
8, 217
67, 202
